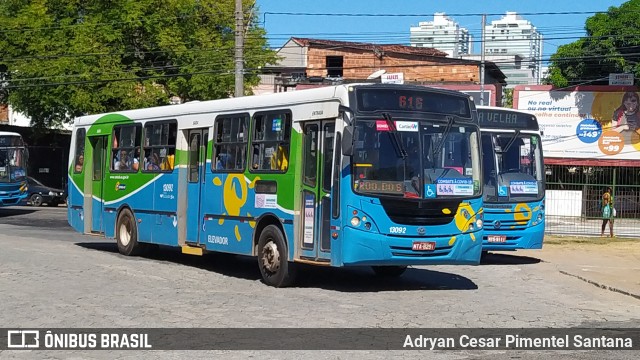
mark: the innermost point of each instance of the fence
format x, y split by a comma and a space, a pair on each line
574, 199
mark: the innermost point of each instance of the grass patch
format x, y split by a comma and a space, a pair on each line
593, 240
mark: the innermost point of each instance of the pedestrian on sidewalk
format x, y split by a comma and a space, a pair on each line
607, 211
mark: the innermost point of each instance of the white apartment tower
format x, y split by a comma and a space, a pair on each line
513, 35
443, 34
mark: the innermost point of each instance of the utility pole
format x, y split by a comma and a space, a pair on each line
239, 56
484, 20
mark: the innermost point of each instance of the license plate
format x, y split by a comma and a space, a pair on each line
497, 238
424, 246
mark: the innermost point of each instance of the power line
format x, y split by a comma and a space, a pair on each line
430, 14
255, 71
230, 47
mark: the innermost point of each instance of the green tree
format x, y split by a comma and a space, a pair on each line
508, 98
611, 45
65, 58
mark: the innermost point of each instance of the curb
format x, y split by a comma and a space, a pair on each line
602, 286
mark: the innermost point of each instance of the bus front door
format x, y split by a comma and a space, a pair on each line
197, 158
317, 160
95, 199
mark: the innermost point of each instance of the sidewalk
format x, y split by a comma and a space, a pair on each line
588, 227
614, 266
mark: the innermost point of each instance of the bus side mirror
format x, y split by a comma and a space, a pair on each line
347, 141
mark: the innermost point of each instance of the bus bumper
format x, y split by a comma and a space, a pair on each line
371, 249
13, 200
529, 238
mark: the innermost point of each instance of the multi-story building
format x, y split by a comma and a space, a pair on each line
443, 34
512, 43
514, 67
510, 36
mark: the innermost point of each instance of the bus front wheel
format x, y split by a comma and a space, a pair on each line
272, 258
127, 234
389, 271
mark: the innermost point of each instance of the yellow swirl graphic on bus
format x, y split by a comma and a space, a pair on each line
234, 196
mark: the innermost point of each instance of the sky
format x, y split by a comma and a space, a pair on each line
557, 29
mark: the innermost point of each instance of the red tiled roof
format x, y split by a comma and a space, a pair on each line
394, 48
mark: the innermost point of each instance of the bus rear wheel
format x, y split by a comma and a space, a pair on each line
389, 271
127, 234
272, 258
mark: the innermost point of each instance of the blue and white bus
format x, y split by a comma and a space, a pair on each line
514, 179
375, 175
13, 169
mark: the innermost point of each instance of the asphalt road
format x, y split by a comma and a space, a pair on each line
52, 277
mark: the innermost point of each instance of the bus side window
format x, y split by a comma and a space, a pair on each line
79, 160
126, 148
271, 140
230, 145
159, 147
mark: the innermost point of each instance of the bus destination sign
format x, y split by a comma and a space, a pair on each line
500, 119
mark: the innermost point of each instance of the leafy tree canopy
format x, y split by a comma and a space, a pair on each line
67, 58
611, 45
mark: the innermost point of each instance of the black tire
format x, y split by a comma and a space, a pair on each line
36, 200
273, 261
389, 271
53, 203
127, 234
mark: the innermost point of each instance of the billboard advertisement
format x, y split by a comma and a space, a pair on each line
588, 122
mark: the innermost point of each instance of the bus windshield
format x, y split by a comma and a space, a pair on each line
416, 159
12, 164
513, 167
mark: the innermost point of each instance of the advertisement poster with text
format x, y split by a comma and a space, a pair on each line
586, 124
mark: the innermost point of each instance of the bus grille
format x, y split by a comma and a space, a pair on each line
505, 225
420, 212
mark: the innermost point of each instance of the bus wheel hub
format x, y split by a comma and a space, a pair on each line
125, 237
271, 257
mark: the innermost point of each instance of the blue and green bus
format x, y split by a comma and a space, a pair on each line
13, 169
376, 175
514, 179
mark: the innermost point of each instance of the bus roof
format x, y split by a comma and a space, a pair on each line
250, 103
494, 117
247, 103
9, 133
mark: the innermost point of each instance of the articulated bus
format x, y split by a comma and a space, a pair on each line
13, 169
514, 179
374, 175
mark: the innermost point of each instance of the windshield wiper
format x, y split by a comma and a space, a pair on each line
400, 150
511, 141
445, 134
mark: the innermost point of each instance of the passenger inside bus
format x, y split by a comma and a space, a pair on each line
136, 160
279, 159
122, 162
152, 162
167, 163
224, 161
79, 163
